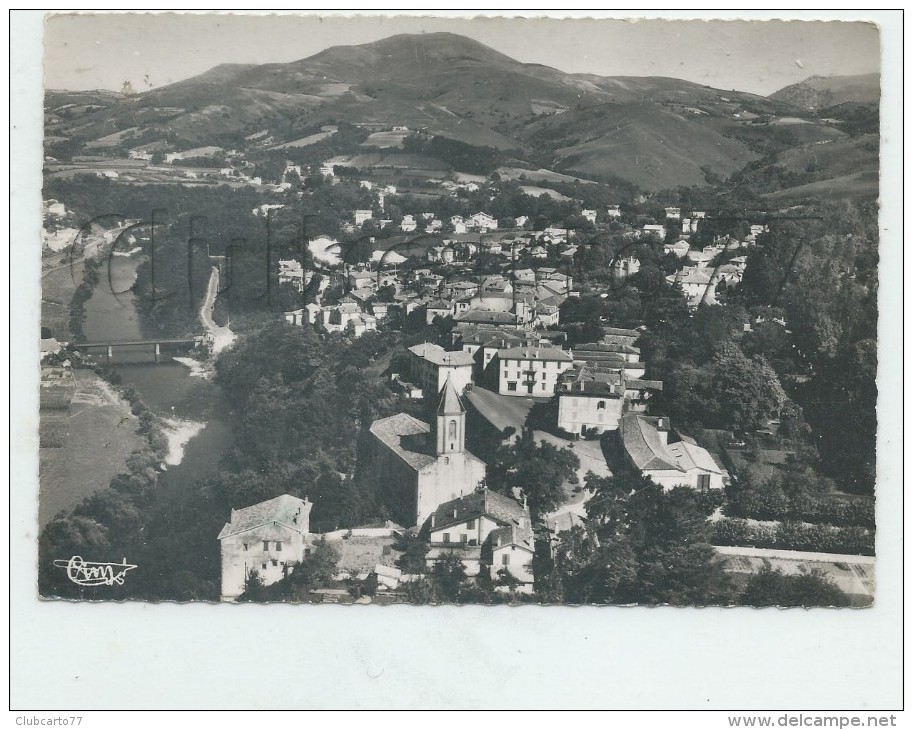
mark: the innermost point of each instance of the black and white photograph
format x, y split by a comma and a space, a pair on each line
411, 320
497, 311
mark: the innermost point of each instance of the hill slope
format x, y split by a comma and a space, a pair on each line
655, 132
817, 92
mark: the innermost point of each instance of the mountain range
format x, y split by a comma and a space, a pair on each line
651, 131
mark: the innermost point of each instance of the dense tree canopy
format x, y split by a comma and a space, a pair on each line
641, 545
536, 470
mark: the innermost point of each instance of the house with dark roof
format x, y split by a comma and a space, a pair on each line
418, 466
269, 538
590, 402
622, 358
645, 441
483, 343
488, 531
592, 399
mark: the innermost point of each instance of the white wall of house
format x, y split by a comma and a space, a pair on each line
669, 478
516, 559
266, 549
515, 376
477, 529
578, 411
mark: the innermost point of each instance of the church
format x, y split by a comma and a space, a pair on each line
417, 467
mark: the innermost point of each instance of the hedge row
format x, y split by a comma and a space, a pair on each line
795, 536
777, 506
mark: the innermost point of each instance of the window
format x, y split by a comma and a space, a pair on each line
278, 546
512, 386
600, 405
452, 430
505, 559
544, 386
266, 544
471, 525
446, 537
703, 482
263, 565
245, 546
463, 539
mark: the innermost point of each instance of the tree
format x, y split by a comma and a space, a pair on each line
62, 538
641, 545
254, 588
538, 470
773, 588
745, 392
447, 577
413, 550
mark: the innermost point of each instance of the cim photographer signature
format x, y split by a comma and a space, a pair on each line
86, 573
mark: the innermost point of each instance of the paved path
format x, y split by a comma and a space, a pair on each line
750, 552
222, 337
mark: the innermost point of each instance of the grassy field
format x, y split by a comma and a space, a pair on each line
57, 286
100, 432
385, 139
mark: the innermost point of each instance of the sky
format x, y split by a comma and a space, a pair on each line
102, 51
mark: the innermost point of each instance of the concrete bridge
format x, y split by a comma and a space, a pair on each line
156, 345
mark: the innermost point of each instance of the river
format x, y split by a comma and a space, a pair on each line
168, 387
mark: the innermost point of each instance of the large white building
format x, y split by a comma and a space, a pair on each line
268, 538
531, 371
431, 366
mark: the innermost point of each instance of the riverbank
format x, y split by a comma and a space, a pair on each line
178, 432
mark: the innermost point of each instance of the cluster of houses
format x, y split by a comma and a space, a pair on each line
522, 299
699, 278
535, 245
503, 340
431, 480
703, 271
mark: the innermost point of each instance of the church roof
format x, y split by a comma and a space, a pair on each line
450, 403
394, 433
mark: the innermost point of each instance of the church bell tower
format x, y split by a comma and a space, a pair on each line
450, 428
